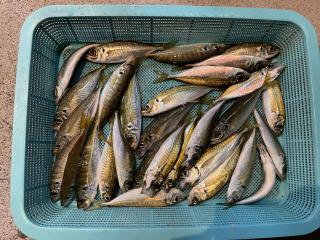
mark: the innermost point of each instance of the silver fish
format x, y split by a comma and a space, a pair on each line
130, 109
134, 198
160, 127
273, 146
153, 177
76, 95
234, 118
243, 171
124, 158
172, 98
67, 69
269, 178
200, 137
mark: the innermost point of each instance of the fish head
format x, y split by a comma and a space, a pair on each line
269, 51
188, 177
105, 191
61, 116
133, 135
126, 185
212, 47
60, 143
274, 70
257, 64
238, 75
174, 196
219, 133
85, 197
192, 153
149, 185
277, 122
197, 195
58, 92
67, 199
97, 55
142, 148
152, 107
55, 189
234, 194
168, 184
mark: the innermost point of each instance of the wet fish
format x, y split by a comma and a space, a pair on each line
210, 76
70, 175
58, 169
273, 146
262, 50
173, 98
243, 171
162, 163
188, 53
234, 118
160, 127
134, 198
130, 114
88, 177
124, 157
258, 80
67, 69
175, 171
211, 159
114, 89
273, 107
71, 127
246, 62
200, 136
108, 176
145, 162
269, 178
121, 51
210, 185
76, 95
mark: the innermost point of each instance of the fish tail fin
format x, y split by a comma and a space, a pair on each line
177, 68
162, 77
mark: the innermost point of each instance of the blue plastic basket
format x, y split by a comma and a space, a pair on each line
52, 33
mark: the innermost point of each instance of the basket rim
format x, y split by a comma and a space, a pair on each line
35, 231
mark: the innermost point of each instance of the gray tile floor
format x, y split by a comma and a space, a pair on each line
13, 14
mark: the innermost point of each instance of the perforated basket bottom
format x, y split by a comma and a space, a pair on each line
290, 201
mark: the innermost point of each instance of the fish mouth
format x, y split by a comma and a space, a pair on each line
67, 201
54, 196
83, 203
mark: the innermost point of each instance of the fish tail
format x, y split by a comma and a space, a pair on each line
163, 77
177, 68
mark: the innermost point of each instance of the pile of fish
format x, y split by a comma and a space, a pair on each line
178, 151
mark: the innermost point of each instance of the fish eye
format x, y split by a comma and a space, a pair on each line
170, 181
130, 138
195, 199
148, 106
217, 134
205, 48
92, 52
240, 77
137, 183
272, 49
157, 100
121, 72
58, 121
58, 146
141, 145
106, 198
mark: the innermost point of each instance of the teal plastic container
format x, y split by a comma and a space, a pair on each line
52, 33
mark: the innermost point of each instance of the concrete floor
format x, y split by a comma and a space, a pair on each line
13, 14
